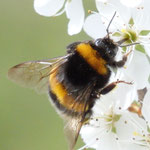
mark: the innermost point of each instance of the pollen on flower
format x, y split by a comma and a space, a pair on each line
123, 30
135, 133
129, 34
89, 12
142, 139
132, 34
125, 67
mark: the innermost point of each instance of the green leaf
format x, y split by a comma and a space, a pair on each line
114, 130
116, 118
140, 48
124, 49
117, 34
144, 32
131, 21
148, 129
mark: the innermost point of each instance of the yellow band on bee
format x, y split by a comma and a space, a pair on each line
63, 97
92, 57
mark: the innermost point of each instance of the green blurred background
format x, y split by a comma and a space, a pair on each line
27, 120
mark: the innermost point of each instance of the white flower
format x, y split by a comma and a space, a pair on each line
128, 3
131, 27
141, 133
113, 127
74, 11
101, 132
130, 23
146, 107
131, 3
48, 7
134, 135
138, 69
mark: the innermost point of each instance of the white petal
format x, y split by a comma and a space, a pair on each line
131, 3
105, 8
146, 106
89, 135
145, 6
147, 49
139, 69
139, 16
108, 142
48, 7
75, 12
129, 123
94, 26
124, 94
103, 105
125, 125
98, 138
131, 146
111, 6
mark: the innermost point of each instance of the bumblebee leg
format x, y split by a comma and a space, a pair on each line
111, 86
108, 88
121, 62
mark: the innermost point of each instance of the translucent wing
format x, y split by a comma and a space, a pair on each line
74, 124
35, 74
72, 130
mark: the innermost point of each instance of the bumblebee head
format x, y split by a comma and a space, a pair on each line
108, 46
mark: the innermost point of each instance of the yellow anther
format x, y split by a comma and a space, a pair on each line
89, 11
135, 133
123, 30
125, 67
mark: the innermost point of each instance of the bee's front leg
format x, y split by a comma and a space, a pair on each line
121, 62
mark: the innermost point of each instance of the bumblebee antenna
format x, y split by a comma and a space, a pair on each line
136, 43
107, 30
125, 45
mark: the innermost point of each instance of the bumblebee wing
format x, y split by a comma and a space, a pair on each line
74, 124
35, 74
72, 130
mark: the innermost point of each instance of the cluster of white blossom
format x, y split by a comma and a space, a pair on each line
121, 119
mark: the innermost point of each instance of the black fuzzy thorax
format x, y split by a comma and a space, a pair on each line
79, 73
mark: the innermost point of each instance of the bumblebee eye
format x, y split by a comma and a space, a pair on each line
98, 42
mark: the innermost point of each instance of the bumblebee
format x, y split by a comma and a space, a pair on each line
73, 81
